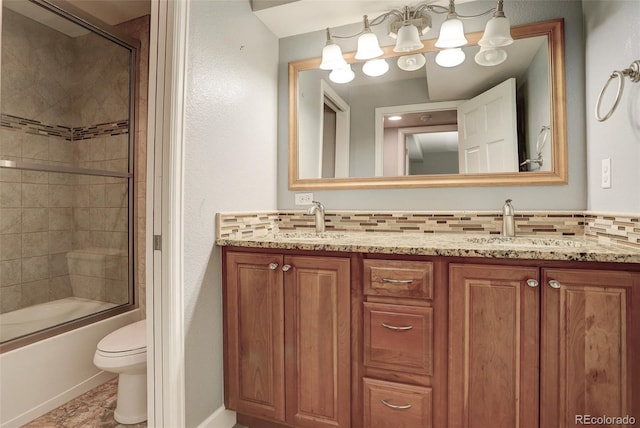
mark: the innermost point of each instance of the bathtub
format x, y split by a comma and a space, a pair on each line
41, 376
38, 317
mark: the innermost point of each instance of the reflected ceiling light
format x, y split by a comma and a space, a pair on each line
407, 25
368, 45
411, 62
489, 57
375, 67
331, 55
497, 33
450, 57
342, 74
394, 117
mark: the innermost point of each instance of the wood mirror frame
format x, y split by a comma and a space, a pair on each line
553, 29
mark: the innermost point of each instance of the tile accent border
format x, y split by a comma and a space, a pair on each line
606, 228
246, 225
613, 228
30, 126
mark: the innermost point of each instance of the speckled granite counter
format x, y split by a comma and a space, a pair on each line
537, 247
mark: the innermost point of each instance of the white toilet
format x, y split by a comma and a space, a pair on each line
124, 351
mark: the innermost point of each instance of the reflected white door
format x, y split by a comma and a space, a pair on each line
487, 131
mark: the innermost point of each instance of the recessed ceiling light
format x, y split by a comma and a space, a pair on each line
395, 117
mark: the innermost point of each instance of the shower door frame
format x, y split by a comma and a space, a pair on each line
72, 13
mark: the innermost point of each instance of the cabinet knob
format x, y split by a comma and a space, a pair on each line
532, 282
273, 266
286, 268
393, 406
554, 284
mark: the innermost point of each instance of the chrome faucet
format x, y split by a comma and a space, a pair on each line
318, 209
508, 221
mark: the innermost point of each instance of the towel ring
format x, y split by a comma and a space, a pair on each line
633, 72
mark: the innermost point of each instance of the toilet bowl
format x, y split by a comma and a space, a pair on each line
124, 351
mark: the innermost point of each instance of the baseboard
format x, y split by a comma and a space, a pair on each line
221, 418
59, 400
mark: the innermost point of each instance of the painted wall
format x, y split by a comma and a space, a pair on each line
612, 43
571, 196
229, 165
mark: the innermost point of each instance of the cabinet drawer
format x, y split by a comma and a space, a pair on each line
398, 338
397, 278
395, 405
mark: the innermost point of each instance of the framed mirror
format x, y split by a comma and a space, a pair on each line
341, 136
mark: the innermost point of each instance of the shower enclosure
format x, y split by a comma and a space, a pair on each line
66, 172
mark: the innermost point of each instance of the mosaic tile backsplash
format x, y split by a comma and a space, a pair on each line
622, 229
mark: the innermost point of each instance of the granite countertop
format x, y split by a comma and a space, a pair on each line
533, 247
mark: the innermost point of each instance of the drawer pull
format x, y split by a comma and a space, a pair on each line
393, 406
393, 327
273, 266
554, 284
397, 281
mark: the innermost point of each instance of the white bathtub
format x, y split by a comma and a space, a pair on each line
38, 317
44, 375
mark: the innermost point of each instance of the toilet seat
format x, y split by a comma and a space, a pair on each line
128, 340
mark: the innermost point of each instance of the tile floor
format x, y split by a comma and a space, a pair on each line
93, 409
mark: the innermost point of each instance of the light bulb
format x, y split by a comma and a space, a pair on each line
375, 68
450, 57
342, 74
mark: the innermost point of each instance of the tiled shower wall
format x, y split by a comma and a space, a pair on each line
72, 122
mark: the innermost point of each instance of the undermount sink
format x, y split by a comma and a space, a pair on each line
322, 236
526, 241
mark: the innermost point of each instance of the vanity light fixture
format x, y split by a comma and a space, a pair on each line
411, 62
375, 67
407, 26
451, 30
490, 57
368, 45
342, 74
450, 57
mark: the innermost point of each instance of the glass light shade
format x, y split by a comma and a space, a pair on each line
489, 57
451, 34
497, 33
368, 47
408, 39
411, 62
342, 74
450, 57
332, 57
375, 68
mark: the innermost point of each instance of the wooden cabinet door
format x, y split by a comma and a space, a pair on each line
254, 328
317, 338
590, 360
493, 346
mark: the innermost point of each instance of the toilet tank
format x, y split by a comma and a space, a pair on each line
99, 274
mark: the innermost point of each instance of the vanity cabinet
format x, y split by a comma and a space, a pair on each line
287, 338
403, 368
541, 346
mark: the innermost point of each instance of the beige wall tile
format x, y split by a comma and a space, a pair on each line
10, 246
37, 177
10, 143
10, 298
35, 147
10, 272
58, 264
60, 287
10, 195
35, 195
60, 242
35, 244
35, 268
60, 195
35, 219
35, 292
61, 219
10, 220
